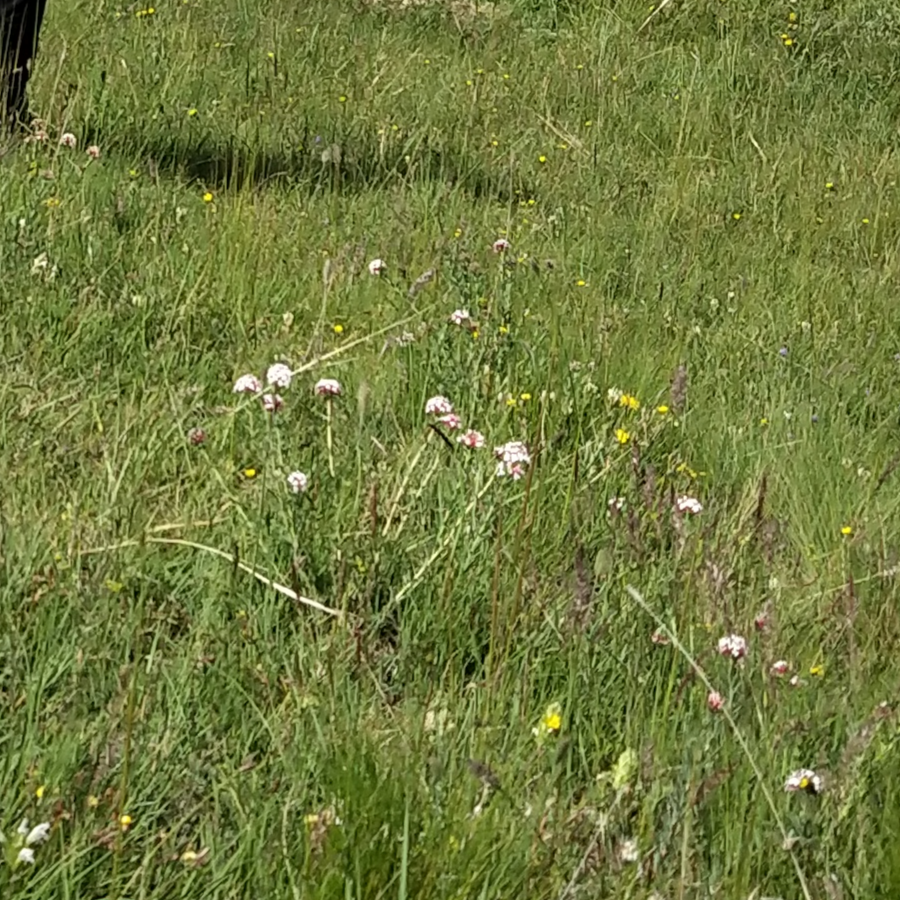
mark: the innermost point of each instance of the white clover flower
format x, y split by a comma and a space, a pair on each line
247, 384
272, 402
460, 316
438, 406
628, 851
732, 645
68, 140
377, 266
804, 780
474, 440
298, 482
501, 245
328, 387
451, 421
688, 505
279, 375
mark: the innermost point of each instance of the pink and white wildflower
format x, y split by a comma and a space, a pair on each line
513, 470
298, 482
272, 402
732, 645
438, 406
780, 667
715, 701
474, 440
377, 266
689, 505
804, 780
247, 384
514, 459
68, 140
93, 151
452, 422
460, 317
501, 245
279, 375
328, 387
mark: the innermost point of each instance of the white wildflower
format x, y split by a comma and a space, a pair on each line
247, 384
298, 482
279, 375
438, 406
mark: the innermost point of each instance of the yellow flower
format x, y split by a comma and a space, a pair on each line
208, 197
792, 17
662, 409
192, 111
125, 822
865, 221
338, 328
622, 436
510, 401
475, 334
342, 98
630, 401
524, 397
542, 158
847, 530
818, 670
53, 202
736, 216
829, 185
249, 472
550, 723
39, 791
93, 801
504, 329
581, 283
763, 421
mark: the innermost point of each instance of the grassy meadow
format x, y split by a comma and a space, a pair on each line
664, 255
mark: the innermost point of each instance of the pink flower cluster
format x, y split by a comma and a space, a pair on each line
279, 375
442, 409
514, 459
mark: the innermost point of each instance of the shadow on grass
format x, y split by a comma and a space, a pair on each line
352, 166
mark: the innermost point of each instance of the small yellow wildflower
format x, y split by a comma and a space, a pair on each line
125, 821
542, 158
525, 397
338, 328
53, 202
865, 221
342, 98
817, 670
792, 17
504, 329
475, 334
662, 409
93, 801
736, 216
192, 111
39, 791
829, 185
249, 472
630, 401
208, 197
549, 724
622, 436
510, 401
763, 421
581, 283
847, 530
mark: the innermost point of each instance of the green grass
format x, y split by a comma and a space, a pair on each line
691, 193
